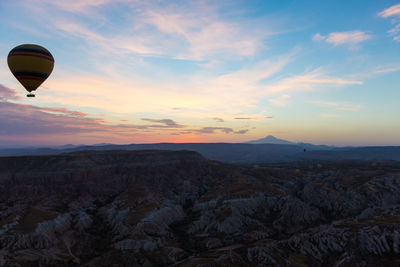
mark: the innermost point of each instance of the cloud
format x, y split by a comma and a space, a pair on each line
192, 30
8, 94
63, 111
318, 37
344, 106
395, 32
164, 121
84, 7
386, 69
244, 118
280, 101
30, 123
218, 119
351, 38
211, 130
307, 82
168, 123
242, 131
202, 32
391, 11
20, 119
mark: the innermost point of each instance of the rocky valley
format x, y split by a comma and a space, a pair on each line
176, 208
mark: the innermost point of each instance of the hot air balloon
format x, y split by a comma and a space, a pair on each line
228, 239
31, 64
239, 236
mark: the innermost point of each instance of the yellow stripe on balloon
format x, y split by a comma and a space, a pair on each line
28, 63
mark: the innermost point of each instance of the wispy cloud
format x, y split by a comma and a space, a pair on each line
309, 81
189, 30
242, 131
74, 6
167, 123
218, 119
63, 111
395, 32
393, 11
7, 94
31, 124
280, 101
329, 115
318, 37
350, 38
20, 119
386, 69
344, 106
244, 118
211, 130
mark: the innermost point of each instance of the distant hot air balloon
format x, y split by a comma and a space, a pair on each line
239, 237
31, 65
228, 239
319, 166
298, 171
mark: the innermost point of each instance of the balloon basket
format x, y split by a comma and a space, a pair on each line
30, 95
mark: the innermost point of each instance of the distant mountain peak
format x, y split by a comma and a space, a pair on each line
270, 139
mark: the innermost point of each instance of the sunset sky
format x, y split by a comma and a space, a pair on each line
127, 71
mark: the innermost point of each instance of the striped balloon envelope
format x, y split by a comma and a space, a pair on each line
31, 65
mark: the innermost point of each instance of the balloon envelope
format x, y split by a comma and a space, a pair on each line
30, 64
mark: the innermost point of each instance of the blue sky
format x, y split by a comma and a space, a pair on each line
131, 71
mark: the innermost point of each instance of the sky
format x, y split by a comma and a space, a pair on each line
128, 71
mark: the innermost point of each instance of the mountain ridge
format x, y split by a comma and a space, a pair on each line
239, 152
270, 139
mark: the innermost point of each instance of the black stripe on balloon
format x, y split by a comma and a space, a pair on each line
31, 50
31, 73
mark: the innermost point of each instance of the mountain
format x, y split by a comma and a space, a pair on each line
271, 140
238, 152
176, 208
67, 146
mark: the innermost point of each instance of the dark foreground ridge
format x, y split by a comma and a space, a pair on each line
176, 208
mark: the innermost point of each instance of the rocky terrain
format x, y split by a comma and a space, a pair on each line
176, 208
